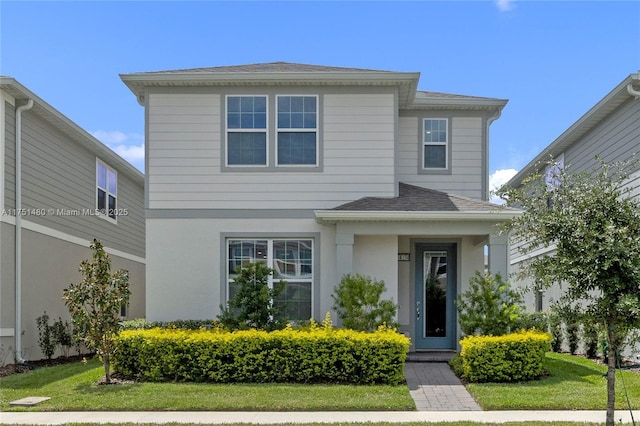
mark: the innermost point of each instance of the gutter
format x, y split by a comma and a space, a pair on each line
334, 216
18, 243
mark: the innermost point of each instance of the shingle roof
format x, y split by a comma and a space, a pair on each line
440, 95
267, 68
417, 199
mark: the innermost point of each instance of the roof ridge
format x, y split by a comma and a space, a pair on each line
278, 66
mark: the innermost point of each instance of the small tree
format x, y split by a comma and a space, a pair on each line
489, 306
357, 300
254, 305
593, 221
95, 302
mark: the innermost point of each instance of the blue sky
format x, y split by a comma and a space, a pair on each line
553, 60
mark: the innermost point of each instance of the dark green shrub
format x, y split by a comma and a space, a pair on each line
591, 335
555, 328
571, 316
532, 321
46, 339
509, 358
358, 302
62, 335
254, 304
489, 306
320, 354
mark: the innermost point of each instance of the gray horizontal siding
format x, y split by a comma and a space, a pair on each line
59, 173
614, 139
185, 155
466, 151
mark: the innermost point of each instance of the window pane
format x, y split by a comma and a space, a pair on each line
247, 112
102, 200
296, 301
247, 149
242, 252
297, 148
297, 112
233, 104
112, 182
102, 175
435, 156
292, 259
435, 130
112, 207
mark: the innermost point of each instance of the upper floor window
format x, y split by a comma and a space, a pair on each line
106, 190
435, 143
247, 130
297, 128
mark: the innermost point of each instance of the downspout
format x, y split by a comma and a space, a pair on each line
18, 244
490, 120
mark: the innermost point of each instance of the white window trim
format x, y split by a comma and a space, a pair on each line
445, 144
228, 130
298, 130
269, 262
107, 193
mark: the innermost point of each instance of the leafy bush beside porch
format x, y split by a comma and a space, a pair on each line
508, 358
315, 355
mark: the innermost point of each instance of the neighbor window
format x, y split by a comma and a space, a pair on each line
247, 130
106, 190
291, 260
435, 140
297, 123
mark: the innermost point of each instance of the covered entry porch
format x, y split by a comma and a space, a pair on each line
426, 257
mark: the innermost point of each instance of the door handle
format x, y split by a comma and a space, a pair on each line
417, 310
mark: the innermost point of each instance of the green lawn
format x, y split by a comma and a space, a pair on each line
71, 387
573, 383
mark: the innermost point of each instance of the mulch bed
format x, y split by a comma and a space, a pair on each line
10, 369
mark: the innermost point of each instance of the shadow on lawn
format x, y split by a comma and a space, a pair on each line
41, 376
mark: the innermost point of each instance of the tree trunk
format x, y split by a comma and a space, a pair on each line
107, 367
611, 376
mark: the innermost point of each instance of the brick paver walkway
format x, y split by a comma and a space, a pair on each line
434, 387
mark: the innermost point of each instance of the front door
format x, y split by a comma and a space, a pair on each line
435, 317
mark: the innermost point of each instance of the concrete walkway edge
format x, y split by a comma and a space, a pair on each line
209, 417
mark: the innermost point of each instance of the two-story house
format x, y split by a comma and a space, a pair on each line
59, 189
320, 172
610, 130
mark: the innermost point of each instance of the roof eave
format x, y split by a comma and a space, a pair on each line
335, 216
138, 82
491, 104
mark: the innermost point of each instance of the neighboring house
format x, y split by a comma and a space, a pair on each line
320, 172
609, 130
61, 183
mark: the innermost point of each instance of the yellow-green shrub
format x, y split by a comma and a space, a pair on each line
509, 358
318, 354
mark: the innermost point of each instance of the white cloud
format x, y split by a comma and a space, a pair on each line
496, 180
129, 146
505, 5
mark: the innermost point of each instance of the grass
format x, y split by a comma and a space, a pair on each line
573, 383
72, 388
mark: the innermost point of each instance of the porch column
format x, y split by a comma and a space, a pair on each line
499, 255
344, 255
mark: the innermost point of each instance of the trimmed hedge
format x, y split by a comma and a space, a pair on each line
316, 355
509, 358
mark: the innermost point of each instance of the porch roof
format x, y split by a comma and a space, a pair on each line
415, 203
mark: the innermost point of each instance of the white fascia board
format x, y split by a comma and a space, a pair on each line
334, 216
459, 103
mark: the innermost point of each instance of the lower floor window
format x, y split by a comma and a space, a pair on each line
291, 260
